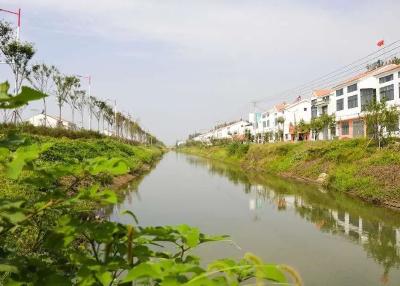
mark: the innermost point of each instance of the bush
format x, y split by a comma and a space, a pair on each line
237, 149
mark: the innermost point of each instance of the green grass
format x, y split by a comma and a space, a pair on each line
355, 167
66, 151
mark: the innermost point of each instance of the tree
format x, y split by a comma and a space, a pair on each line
17, 56
98, 105
41, 78
302, 128
109, 116
318, 124
76, 100
280, 120
248, 136
101, 107
81, 103
64, 86
381, 120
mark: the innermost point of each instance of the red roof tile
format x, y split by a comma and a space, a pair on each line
322, 92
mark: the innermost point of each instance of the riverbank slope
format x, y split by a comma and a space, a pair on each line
354, 167
71, 148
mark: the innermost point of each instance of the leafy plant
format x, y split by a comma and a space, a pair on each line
381, 120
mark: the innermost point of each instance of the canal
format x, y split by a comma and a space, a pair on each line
330, 239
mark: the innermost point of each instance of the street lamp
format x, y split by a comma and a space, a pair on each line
18, 14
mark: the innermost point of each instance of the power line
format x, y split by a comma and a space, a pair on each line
349, 65
352, 70
335, 73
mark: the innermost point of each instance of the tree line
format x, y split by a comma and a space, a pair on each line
66, 89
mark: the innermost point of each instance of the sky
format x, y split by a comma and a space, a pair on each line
183, 66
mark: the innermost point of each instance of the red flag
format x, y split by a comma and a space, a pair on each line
380, 43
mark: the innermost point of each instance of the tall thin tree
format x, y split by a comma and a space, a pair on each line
64, 86
41, 78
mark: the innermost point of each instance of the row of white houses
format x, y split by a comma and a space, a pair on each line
344, 101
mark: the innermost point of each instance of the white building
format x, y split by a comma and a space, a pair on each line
271, 125
267, 125
51, 121
323, 102
355, 93
294, 113
233, 130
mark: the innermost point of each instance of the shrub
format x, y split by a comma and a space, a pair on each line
237, 149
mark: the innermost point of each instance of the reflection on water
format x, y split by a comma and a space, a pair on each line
276, 205
377, 230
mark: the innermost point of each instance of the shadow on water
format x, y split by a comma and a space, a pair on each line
376, 229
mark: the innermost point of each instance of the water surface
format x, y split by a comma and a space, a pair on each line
330, 239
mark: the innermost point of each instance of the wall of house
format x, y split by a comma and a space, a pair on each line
294, 114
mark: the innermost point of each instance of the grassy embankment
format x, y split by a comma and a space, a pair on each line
71, 148
353, 167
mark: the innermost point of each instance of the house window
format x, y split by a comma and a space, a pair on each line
345, 128
386, 78
352, 101
264, 124
267, 123
324, 109
358, 128
305, 108
314, 111
387, 92
339, 104
367, 95
352, 88
339, 92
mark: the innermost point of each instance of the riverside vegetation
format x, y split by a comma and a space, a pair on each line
50, 234
355, 167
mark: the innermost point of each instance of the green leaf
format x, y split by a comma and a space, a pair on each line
4, 87
26, 95
270, 272
113, 166
191, 235
4, 153
105, 278
147, 269
21, 157
8, 268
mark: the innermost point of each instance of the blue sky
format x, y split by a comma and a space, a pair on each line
182, 66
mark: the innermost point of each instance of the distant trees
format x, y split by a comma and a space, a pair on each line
66, 88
